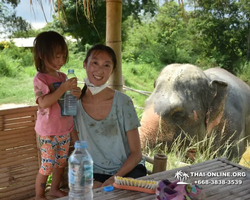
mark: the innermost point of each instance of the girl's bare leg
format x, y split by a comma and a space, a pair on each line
40, 186
56, 180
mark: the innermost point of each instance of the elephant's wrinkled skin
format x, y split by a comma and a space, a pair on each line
198, 102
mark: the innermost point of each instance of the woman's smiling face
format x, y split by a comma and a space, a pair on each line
99, 67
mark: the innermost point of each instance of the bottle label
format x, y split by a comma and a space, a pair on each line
61, 99
79, 176
76, 176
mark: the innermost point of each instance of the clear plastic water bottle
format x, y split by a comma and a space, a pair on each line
69, 99
80, 173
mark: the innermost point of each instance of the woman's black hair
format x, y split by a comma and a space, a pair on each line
99, 48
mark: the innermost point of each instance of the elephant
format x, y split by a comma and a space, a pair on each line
186, 98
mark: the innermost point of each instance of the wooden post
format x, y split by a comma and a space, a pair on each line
113, 39
160, 163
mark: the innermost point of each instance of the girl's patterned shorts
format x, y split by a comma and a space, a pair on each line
54, 152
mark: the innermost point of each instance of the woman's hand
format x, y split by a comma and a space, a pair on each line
109, 181
77, 92
70, 84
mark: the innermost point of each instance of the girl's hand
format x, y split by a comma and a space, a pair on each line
77, 92
70, 84
109, 181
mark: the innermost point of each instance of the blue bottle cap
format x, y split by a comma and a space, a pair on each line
80, 144
70, 71
108, 188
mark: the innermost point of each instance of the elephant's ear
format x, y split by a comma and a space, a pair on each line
219, 91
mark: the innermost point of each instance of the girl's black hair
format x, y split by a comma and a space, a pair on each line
45, 45
99, 48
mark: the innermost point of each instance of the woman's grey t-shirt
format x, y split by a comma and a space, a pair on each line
106, 139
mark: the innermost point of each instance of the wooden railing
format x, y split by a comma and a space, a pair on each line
18, 153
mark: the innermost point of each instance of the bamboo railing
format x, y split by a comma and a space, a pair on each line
18, 153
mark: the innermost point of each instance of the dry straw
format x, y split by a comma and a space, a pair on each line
87, 6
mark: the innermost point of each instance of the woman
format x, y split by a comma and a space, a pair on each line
107, 121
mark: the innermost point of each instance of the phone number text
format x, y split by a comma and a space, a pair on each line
218, 182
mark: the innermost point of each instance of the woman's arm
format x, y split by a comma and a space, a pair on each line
134, 157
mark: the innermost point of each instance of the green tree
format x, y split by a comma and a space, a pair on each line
246, 10
164, 38
8, 19
173, 34
222, 28
95, 32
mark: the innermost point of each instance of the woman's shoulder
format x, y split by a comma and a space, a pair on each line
122, 98
121, 95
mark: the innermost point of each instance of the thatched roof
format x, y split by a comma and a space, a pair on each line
86, 5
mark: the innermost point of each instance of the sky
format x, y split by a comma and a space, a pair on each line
34, 14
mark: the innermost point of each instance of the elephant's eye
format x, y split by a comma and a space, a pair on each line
178, 115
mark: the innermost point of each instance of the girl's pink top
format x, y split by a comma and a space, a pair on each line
50, 121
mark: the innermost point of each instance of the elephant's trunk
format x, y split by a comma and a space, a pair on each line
153, 129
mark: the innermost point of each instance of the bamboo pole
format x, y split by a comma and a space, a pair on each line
113, 39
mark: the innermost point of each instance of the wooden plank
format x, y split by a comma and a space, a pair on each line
225, 191
19, 162
215, 192
14, 182
20, 119
22, 156
19, 115
15, 170
19, 125
17, 144
18, 149
26, 187
121, 194
16, 131
149, 197
18, 171
17, 140
15, 154
18, 110
22, 134
23, 195
7, 169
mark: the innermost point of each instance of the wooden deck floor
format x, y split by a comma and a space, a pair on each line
212, 191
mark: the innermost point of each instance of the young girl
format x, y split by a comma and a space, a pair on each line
50, 54
107, 121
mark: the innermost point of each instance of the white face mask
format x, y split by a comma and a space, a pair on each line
95, 89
